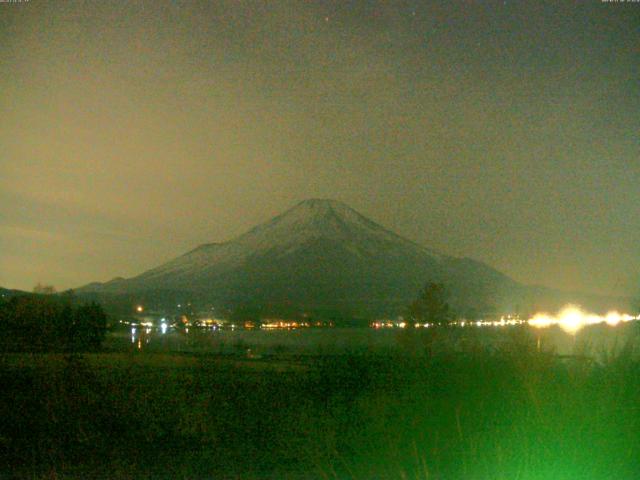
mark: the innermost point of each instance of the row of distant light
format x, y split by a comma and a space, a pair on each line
503, 322
570, 319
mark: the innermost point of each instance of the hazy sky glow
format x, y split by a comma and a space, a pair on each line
133, 131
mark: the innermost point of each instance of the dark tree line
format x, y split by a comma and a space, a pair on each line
38, 323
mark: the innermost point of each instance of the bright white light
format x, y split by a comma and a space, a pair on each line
541, 320
571, 319
163, 327
613, 318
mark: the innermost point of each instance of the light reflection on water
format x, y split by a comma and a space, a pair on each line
594, 340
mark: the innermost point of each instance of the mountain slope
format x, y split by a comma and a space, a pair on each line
309, 222
322, 256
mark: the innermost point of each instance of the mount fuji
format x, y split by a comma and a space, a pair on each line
320, 256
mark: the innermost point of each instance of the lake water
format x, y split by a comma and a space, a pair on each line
595, 341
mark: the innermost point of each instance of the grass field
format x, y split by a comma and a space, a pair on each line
515, 413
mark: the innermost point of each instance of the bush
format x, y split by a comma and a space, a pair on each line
35, 323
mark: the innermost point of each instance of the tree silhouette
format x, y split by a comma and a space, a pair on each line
44, 289
87, 327
44, 323
431, 305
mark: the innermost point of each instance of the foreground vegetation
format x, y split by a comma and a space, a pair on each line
514, 413
47, 323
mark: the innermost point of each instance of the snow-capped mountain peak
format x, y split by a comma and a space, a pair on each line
318, 252
304, 225
313, 219
321, 254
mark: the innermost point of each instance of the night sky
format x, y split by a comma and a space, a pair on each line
130, 132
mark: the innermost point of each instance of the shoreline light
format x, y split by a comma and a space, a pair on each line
572, 319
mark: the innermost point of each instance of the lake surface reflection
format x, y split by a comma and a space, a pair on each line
595, 341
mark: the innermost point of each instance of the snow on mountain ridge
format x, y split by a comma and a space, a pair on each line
310, 219
306, 222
